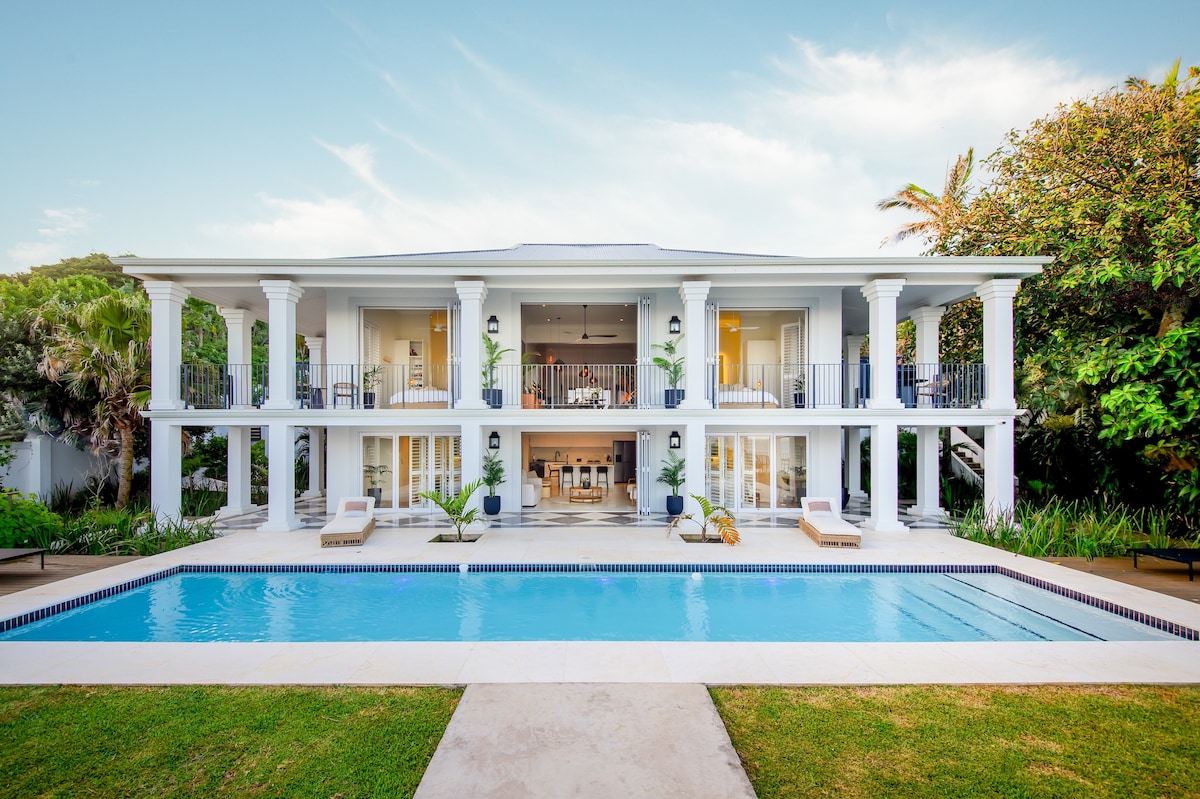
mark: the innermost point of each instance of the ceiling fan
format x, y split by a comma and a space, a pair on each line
736, 328
585, 337
436, 323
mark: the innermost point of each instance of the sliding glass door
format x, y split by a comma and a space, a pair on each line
756, 472
397, 469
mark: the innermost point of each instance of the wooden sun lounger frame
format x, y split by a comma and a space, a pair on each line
349, 531
845, 536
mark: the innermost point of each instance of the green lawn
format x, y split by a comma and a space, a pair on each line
219, 741
1117, 742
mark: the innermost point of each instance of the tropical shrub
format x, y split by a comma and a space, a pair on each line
24, 521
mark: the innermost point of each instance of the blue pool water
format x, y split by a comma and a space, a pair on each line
589, 606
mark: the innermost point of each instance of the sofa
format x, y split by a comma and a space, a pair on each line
531, 490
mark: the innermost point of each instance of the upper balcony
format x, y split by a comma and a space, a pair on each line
590, 386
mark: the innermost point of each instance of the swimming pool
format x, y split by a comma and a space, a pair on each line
570, 602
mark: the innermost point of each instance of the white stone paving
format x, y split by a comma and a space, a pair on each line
449, 663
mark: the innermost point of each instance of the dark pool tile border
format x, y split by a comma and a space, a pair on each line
1179, 630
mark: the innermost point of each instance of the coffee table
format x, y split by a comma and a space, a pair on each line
579, 494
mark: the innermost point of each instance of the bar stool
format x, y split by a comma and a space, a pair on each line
602, 474
564, 474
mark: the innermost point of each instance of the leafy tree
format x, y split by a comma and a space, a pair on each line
1109, 186
101, 348
34, 401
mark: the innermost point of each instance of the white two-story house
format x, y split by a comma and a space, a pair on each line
785, 363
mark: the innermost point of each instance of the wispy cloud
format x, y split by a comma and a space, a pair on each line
58, 237
793, 162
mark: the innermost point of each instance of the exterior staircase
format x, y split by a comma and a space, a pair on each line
966, 456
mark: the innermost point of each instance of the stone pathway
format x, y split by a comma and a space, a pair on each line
585, 740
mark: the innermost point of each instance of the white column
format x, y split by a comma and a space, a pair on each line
694, 293
281, 478
471, 294
885, 480
166, 469
851, 359
927, 321
166, 339
346, 480
694, 452
997, 296
881, 296
282, 296
316, 462
854, 463
239, 328
237, 500
998, 469
316, 363
473, 446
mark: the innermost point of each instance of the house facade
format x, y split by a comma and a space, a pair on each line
584, 364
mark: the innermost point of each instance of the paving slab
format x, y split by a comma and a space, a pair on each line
585, 740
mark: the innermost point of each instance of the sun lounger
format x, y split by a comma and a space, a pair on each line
1188, 556
352, 525
18, 554
825, 527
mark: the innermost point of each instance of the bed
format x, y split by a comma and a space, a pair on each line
734, 396
421, 398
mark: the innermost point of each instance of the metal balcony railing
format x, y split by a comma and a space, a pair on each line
619, 386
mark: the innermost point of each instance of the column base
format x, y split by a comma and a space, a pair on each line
284, 526
884, 527
928, 513
238, 510
316, 493
472, 405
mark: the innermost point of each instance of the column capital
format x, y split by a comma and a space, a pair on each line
314, 342
281, 290
1001, 288
882, 288
237, 316
928, 314
165, 290
471, 290
694, 290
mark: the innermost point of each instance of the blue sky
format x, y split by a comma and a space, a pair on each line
304, 129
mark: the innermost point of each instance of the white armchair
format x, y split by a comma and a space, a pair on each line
531, 490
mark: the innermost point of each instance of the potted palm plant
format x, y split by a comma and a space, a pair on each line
672, 474
672, 366
493, 475
374, 473
719, 518
455, 507
493, 396
798, 392
371, 378
531, 391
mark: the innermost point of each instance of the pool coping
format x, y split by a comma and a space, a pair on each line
442, 663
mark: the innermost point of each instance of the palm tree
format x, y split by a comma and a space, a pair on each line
938, 213
103, 345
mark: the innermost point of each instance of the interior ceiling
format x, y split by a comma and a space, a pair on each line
563, 324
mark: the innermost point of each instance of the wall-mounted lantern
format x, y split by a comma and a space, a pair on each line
673, 325
494, 440
673, 440
493, 324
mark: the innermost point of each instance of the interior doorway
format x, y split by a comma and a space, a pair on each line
582, 471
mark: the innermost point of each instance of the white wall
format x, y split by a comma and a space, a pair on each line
42, 463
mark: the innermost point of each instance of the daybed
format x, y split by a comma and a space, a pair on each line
17, 554
739, 396
825, 526
1179, 555
352, 525
421, 398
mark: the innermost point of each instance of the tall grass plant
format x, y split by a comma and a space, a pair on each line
1066, 529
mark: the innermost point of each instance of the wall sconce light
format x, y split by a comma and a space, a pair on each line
673, 325
493, 324
494, 440
673, 440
